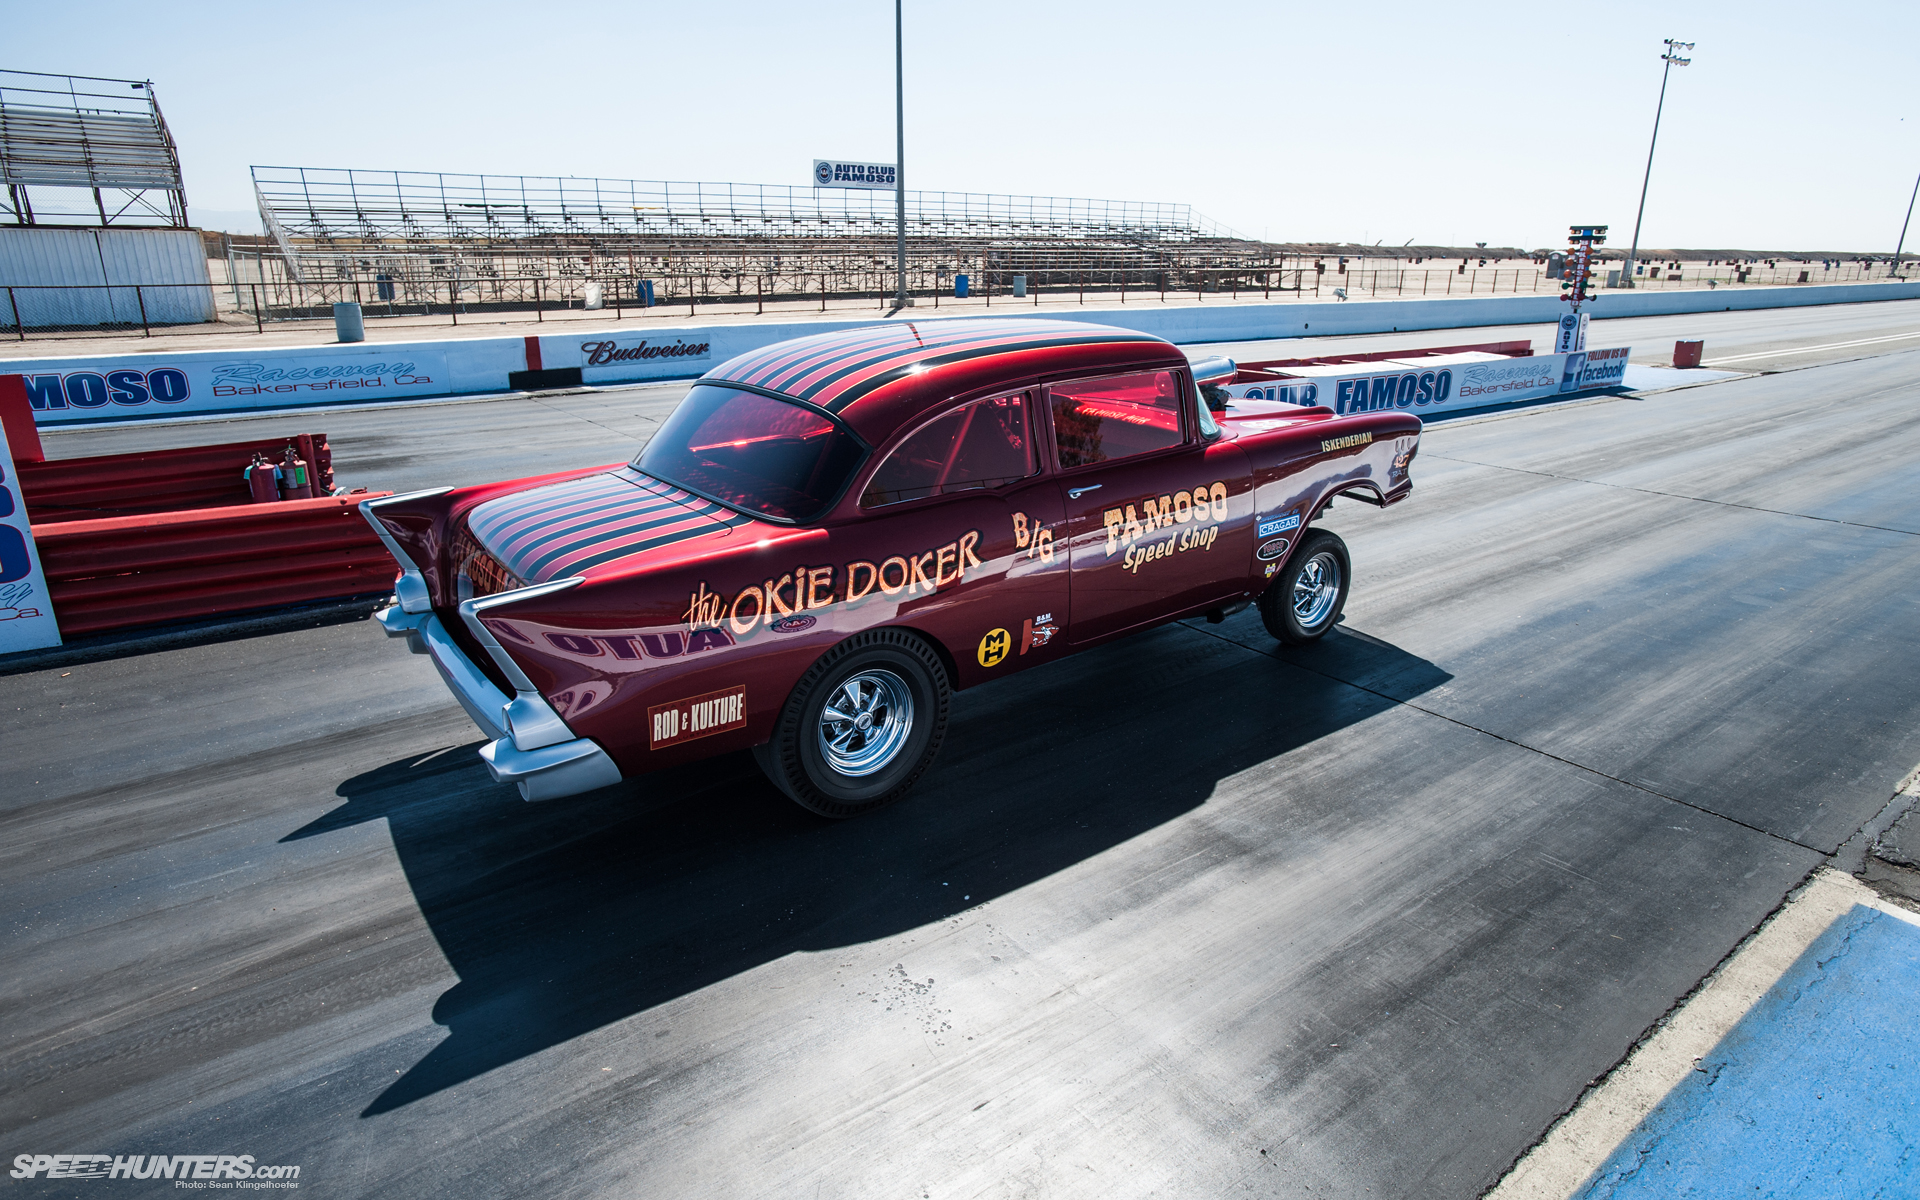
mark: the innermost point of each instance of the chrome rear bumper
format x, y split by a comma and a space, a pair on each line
544, 762
532, 747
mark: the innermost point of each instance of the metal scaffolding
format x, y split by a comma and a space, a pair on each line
510, 239
101, 138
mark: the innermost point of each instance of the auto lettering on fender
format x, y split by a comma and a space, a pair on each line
839, 529
1273, 525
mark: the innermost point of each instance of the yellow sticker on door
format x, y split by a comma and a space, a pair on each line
994, 647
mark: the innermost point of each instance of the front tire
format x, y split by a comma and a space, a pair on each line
862, 725
1307, 596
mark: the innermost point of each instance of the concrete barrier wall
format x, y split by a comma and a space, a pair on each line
82, 389
1330, 318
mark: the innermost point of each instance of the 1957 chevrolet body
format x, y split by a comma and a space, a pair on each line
830, 535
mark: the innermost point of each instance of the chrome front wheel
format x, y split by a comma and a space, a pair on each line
1306, 597
1316, 589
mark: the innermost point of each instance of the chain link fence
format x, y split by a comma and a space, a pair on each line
256, 292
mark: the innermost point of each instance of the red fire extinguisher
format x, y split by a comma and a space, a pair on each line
322, 465
262, 479
294, 484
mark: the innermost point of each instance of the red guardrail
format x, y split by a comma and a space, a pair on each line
167, 535
151, 481
117, 572
145, 481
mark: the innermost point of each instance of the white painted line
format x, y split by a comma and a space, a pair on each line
1584, 1139
1872, 341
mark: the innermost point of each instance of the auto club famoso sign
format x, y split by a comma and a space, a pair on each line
1459, 386
830, 173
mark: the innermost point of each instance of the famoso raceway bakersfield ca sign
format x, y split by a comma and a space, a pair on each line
154, 385
218, 384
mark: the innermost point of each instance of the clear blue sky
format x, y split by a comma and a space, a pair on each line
1500, 122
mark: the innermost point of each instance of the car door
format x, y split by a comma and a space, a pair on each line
975, 468
1159, 518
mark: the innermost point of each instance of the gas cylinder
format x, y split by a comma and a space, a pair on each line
262, 479
294, 483
322, 465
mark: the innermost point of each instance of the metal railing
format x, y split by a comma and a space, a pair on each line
239, 303
417, 206
105, 309
74, 137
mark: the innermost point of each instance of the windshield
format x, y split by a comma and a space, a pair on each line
753, 453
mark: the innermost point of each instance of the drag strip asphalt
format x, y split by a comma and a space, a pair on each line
1185, 915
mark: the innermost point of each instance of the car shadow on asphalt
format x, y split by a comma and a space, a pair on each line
563, 917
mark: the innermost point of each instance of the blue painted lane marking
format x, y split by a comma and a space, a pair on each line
1814, 1094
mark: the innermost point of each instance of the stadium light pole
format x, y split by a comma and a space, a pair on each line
900, 156
1672, 60
1901, 244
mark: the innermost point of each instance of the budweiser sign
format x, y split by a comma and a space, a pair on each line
601, 354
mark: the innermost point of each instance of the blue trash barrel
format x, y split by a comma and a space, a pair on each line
959, 287
347, 326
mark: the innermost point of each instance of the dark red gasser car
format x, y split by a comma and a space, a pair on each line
830, 535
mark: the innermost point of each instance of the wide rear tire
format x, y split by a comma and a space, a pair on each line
1306, 598
862, 725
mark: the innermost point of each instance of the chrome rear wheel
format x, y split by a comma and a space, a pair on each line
861, 726
865, 723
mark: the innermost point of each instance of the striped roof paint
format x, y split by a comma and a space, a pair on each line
832, 370
562, 529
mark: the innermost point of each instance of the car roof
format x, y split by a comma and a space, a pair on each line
879, 377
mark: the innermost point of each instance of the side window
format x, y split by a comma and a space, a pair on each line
1099, 420
983, 444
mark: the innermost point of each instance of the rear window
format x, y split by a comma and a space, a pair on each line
753, 453
1099, 420
979, 445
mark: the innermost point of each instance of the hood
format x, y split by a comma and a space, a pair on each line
572, 528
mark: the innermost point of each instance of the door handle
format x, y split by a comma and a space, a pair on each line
1076, 493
